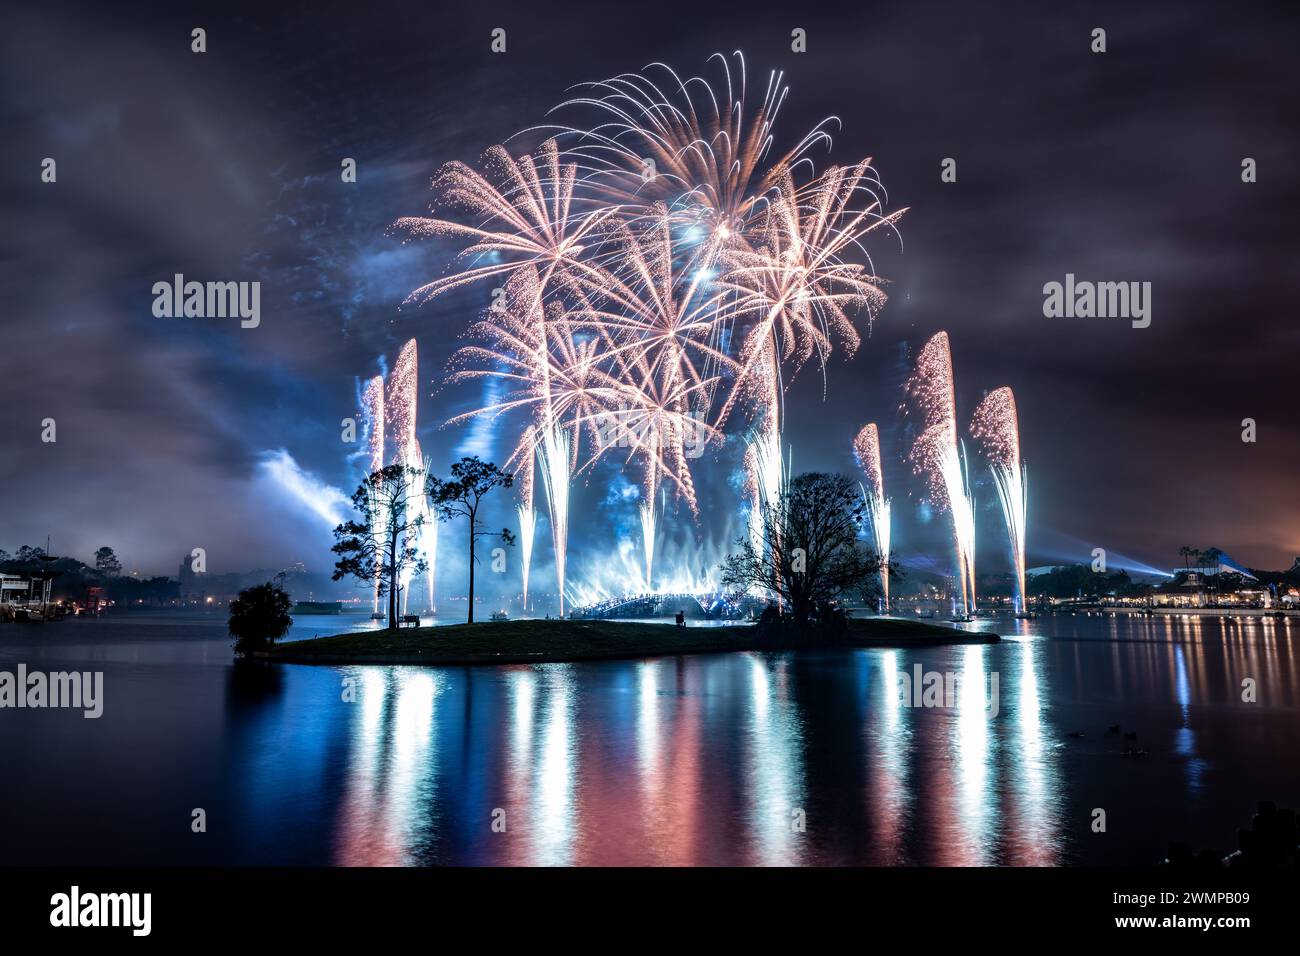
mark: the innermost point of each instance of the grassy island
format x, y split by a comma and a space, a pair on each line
526, 642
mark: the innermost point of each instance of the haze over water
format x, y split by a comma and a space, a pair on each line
682, 760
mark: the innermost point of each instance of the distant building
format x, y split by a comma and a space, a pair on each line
14, 588
189, 586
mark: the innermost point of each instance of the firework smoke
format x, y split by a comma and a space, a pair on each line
996, 425
936, 455
866, 448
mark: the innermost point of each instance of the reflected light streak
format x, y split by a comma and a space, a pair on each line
971, 745
775, 772
555, 784
890, 791
1032, 840
389, 784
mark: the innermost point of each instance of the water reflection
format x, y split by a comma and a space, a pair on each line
777, 811
889, 739
970, 807
1033, 838
779, 759
668, 761
553, 786
389, 798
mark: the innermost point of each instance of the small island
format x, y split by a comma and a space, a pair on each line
550, 641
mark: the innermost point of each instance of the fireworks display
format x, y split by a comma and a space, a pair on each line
866, 448
389, 411
937, 457
659, 270
996, 426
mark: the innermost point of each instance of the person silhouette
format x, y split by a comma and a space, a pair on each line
681, 618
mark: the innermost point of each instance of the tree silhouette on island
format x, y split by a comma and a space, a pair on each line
461, 496
810, 555
259, 617
380, 548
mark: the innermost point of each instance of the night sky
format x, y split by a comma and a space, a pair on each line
1125, 166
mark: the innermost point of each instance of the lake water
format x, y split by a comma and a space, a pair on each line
793, 758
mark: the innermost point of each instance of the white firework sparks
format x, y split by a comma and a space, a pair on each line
996, 425
866, 447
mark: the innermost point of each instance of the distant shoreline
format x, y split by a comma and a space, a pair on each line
565, 641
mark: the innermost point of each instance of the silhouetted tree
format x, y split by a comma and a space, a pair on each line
30, 555
107, 564
460, 497
811, 554
259, 617
1080, 581
379, 548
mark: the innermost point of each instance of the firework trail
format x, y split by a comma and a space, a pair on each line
772, 476
527, 515
372, 403
753, 496
400, 416
866, 448
793, 292
649, 519
936, 456
400, 401
996, 425
766, 477
527, 529
554, 459
426, 537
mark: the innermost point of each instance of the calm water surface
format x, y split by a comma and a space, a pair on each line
689, 760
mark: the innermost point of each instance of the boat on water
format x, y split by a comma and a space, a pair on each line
500, 616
